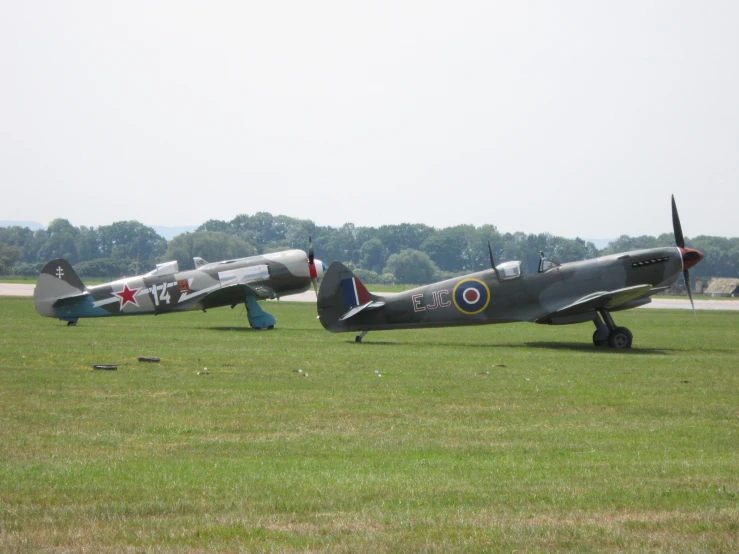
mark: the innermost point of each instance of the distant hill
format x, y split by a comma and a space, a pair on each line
32, 225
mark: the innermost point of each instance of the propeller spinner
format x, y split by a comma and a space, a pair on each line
690, 257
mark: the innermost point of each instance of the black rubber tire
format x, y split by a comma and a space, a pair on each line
599, 342
358, 339
620, 337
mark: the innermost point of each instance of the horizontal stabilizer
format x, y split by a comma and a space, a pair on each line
373, 305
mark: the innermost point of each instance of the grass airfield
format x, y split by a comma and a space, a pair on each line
493, 438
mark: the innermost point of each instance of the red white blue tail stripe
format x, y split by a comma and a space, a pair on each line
355, 293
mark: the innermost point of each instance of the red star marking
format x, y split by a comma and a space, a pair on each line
127, 295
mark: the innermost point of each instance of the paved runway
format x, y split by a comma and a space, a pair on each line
16, 289
23, 289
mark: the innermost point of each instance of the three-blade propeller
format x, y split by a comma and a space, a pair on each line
690, 256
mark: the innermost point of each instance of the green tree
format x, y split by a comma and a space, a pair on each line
216, 225
112, 268
9, 255
59, 242
372, 255
625, 243
298, 233
403, 236
211, 246
411, 267
450, 248
86, 243
565, 250
21, 238
338, 244
131, 240
721, 256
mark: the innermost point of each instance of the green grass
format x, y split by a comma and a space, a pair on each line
696, 296
495, 438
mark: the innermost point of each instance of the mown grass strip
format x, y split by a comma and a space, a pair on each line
499, 437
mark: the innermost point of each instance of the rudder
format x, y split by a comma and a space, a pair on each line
340, 292
57, 280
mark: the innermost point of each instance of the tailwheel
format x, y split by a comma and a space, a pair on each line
620, 337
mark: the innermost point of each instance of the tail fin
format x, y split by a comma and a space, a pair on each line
341, 296
57, 280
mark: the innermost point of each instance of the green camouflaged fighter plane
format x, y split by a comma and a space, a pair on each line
60, 293
558, 294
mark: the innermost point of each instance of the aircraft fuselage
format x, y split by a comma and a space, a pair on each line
209, 286
481, 298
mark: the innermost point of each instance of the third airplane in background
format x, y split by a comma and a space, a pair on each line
558, 294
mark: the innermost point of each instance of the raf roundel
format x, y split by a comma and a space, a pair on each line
471, 296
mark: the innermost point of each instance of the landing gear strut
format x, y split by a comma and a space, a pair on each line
360, 336
258, 318
606, 332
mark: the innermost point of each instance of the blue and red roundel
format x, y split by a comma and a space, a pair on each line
471, 296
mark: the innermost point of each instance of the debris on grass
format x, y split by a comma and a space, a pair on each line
154, 359
109, 367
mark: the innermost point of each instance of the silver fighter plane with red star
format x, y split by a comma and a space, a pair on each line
61, 294
558, 294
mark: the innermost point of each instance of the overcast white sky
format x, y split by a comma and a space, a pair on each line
576, 118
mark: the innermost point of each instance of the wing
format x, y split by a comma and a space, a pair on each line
233, 294
582, 309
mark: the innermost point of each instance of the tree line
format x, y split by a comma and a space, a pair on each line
403, 253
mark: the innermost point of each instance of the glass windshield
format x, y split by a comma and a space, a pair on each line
546, 265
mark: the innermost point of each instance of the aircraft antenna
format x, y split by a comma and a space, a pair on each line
492, 262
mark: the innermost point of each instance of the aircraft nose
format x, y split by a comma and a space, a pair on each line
690, 257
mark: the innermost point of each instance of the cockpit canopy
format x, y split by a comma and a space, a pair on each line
546, 264
509, 270
166, 268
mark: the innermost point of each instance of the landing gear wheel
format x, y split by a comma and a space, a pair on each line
71, 323
357, 339
598, 341
620, 337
